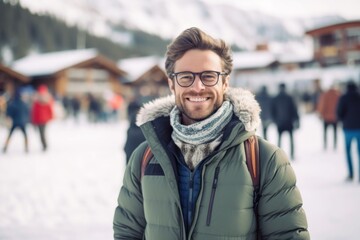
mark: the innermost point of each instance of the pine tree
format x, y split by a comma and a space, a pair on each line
23, 32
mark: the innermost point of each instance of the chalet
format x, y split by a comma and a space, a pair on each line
252, 68
10, 80
333, 58
337, 44
72, 72
146, 78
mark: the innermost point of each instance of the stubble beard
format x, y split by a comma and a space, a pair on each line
192, 117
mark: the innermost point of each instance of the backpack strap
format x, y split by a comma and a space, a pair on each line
253, 164
145, 160
252, 159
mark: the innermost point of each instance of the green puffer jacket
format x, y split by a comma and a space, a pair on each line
149, 208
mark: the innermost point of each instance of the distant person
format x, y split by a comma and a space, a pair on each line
307, 101
94, 108
66, 104
326, 109
317, 91
134, 133
284, 113
18, 111
348, 112
75, 107
2, 109
264, 100
116, 103
42, 113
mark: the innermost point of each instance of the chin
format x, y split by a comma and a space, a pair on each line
198, 118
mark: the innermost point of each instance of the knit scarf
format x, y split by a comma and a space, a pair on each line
198, 140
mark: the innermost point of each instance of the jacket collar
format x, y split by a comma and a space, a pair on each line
246, 108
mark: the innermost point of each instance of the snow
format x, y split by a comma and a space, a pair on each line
253, 59
137, 66
244, 28
50, 63
70, 191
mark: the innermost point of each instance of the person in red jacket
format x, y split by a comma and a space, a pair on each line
42, 113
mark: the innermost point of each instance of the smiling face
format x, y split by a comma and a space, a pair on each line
198, 102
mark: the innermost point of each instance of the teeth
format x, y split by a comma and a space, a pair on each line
197, 99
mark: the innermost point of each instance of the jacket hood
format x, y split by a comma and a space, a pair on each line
246, 108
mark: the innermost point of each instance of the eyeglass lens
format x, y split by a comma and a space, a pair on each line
208, 78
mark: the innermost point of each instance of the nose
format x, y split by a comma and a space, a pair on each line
198, 84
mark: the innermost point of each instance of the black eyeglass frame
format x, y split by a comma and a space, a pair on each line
174, 75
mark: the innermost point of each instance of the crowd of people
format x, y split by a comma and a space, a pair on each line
280, 109
26, 106
98, 107
335, 106
38, 111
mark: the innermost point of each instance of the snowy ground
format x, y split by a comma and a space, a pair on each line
70, 191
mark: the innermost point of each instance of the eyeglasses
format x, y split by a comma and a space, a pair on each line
208, 78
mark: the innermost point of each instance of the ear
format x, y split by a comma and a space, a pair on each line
171, 85
226, 83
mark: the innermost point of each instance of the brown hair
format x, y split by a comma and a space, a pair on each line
194, 38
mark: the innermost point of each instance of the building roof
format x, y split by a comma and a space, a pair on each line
54, 62
14, 74
255, 59
332, 26
137, 67
263, 59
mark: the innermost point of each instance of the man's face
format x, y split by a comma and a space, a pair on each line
198, 102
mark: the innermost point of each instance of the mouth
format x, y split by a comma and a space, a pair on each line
197, 99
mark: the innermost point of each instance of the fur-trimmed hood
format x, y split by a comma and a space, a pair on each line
246, 108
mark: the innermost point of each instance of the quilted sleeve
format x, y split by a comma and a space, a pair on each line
281, 213
129, 221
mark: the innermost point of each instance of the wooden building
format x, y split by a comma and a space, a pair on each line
146, 77
10, 80
251, 69
337, 44
254, 69
72, 72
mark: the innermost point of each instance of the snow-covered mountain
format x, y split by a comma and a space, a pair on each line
168, 18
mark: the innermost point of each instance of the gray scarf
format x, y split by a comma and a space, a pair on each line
198, 140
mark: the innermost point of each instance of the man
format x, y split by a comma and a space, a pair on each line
134, 134
348, 113
264, 99
285, 115
197, 185
326, 109
18, 111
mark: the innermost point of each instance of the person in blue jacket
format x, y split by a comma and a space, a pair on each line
18, 111
348, 113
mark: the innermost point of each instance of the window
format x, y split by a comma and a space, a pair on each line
328, 39
352, 37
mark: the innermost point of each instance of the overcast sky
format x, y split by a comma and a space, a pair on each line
300, 8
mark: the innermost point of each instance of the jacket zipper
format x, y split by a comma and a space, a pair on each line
190, 200
182, 227
212, 197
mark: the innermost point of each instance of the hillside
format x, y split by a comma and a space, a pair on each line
121, 28
22, 32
